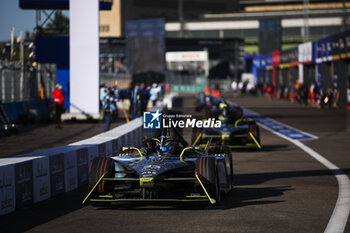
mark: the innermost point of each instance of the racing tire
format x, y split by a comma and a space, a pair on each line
100, 166
206, 168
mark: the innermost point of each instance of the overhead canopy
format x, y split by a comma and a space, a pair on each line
54, 5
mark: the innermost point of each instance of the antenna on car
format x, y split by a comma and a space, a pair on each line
207, 145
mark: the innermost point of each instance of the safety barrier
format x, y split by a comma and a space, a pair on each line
24, 111
33, 177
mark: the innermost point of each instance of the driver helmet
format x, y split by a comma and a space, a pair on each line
223, 109
165, 144
166, 147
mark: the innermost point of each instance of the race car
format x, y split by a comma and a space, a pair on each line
235, 131
164, 169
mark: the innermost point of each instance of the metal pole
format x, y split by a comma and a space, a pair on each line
345, 26
12, 42
306, 21
181, 19
22, 68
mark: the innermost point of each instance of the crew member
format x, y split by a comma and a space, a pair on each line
58, 99
109, 107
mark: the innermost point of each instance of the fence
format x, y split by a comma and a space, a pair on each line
25, 82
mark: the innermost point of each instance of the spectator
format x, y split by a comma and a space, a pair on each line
207, 91
348, 98
154, 94
109, 107
136, 101
131, 97
146, 96
58, 99
215, 92
330, 97
116, 89
312, 92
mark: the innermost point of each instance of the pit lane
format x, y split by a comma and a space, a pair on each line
277, 189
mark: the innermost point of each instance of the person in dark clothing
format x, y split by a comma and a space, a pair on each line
109, 107
131, 97
58, 99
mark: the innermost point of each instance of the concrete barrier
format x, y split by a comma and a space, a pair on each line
36, 176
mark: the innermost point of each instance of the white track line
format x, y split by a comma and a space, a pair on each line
341, 210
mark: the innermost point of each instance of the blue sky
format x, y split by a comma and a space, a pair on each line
12, 16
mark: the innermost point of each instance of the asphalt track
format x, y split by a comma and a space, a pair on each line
277, 189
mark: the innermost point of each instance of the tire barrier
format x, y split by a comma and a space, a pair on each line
36, 176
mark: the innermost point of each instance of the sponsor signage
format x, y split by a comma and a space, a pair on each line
276, 58
269, 60
82, 166
92, 153
102, 150
70, 171
186, 56
284, 59
324, 50
24, 183
41, 179
341, 45
305, 53
57, 178
157, 120
293, 56
7, 189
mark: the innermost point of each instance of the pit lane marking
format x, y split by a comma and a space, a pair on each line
279, 127
338, 220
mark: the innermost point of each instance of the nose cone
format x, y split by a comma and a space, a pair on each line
151, 168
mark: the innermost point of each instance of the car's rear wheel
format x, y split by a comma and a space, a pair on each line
206, 168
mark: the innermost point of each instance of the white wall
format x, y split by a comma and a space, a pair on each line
84, 56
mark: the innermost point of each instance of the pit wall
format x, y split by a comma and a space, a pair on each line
30, 178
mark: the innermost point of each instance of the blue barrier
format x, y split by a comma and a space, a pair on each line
33, 109
20, 108
10, 109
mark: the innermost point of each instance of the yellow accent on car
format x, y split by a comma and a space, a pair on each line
225, 137
256, 142
199, 136
239, 120
94, 187
222, 118
183, 151
148, 200
212, 201
223, 105
146, 182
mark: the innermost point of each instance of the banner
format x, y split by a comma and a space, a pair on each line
305, 53
341, 45
70, 170
102, 150
57, 179
92, 153
324, 49
276, 58
82, 166
41, 179
24, 183
293, 56
7, 189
